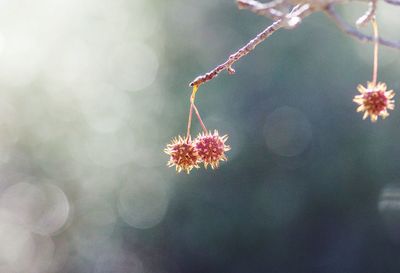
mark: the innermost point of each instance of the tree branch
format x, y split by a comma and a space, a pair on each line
348, 29
290, 21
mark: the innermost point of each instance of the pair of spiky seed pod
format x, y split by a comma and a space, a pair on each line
207, 148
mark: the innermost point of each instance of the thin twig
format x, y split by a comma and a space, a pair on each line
227, 65
348, 29
393, 2
298, 13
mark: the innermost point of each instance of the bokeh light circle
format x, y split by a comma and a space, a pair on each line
43, 209
389, 208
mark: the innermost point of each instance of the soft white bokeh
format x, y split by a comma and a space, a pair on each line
143, 201
17, 246
80, 91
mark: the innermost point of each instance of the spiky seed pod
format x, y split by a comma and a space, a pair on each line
183, 154
211, 148
374, 100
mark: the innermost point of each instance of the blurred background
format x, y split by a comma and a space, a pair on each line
93, 90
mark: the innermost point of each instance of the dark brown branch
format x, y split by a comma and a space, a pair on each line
348, 29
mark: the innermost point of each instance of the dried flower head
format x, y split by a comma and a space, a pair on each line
183, 154
211, 148
374, 100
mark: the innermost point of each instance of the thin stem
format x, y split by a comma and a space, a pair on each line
376, 44
193, 106
194, 91
200, 120
189, 122
192, 97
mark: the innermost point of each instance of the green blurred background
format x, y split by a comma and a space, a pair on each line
92, 91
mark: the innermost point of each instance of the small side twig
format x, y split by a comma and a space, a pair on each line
269, 10
348, 29
369, 15
290, 20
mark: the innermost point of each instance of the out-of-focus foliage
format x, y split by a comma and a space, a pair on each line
91, 91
